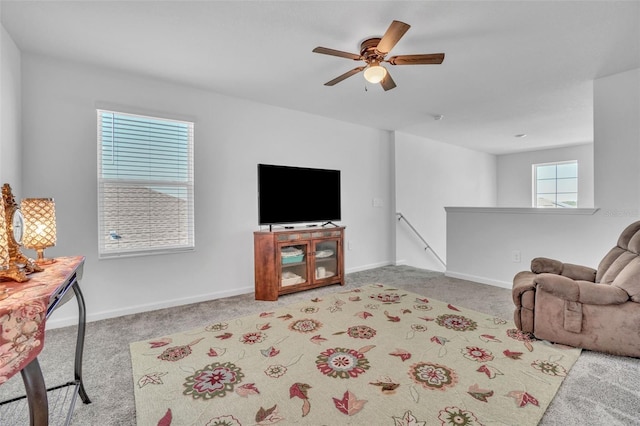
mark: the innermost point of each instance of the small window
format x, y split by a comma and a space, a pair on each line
145, 185
555, 185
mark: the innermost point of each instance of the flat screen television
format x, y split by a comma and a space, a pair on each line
297, 195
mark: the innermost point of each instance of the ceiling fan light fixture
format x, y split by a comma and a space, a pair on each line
375, 73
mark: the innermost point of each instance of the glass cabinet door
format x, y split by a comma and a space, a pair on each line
294, 264
326, 259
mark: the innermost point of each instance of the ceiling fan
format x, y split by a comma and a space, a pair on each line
373, 52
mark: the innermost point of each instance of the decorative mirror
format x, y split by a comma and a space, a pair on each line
19, 264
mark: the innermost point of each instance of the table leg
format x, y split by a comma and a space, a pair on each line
36, 394
82, 315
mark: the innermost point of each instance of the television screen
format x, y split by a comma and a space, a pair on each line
296, 194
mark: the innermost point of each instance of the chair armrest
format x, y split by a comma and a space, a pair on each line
580, 291
522, 282
541, 265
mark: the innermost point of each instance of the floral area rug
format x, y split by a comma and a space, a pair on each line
371, 356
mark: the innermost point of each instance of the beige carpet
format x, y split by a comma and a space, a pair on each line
373, 355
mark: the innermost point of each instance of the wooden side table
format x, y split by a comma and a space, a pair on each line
288, 261
22, 325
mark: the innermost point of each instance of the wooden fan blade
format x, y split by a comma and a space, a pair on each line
344, 76
432, 58
394, 33
340, 53
387, 82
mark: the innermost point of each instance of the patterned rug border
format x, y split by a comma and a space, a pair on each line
313, 362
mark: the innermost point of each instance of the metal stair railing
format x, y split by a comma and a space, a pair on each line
415, 231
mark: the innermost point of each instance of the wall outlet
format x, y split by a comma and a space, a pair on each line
377, 202
515, 256
349, 245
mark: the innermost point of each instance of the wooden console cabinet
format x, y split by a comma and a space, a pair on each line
288, 261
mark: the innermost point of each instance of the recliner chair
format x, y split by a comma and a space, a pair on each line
596, 309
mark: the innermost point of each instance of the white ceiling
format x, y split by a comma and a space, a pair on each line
511, 67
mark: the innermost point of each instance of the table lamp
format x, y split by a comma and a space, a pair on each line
39, 226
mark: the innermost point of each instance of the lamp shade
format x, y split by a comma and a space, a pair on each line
4, 240
39, 224
375, 73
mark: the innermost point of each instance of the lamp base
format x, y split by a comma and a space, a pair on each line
41, 260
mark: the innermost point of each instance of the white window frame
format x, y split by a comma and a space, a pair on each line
535, 184
145, 215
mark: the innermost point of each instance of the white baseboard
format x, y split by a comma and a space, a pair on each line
72, 319
55, 322
58, 321
482, 280
367, 267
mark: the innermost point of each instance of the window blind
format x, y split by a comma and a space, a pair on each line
145, 185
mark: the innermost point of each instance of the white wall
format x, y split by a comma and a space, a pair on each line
231, 137
10, 110
429, 176
480, 243
515, 174
617, 143
415, 176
